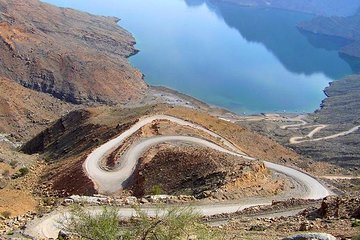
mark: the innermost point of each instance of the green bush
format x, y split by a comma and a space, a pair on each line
23, 171
104, 225
156, 190
6, 214
13, 163
168, 224
355, 224
171, 223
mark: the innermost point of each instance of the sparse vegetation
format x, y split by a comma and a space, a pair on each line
168, 224
156, 190
6, 173
104, 225
23, 171
356, 224
13, 163
6, 214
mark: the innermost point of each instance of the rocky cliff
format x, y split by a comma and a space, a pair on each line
72, 55
25, 112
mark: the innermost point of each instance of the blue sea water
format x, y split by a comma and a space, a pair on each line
244, 59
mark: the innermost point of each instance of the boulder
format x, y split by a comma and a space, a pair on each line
311, 236
63, 235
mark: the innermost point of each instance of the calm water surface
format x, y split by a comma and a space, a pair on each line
244, 59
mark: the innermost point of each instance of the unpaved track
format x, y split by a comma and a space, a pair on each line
318, 128
111, 181
301, 124
47, 227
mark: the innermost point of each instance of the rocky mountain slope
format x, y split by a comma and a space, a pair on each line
341, 111
340, 27
318, 7
69, 140
24, 112
72, 55
202, 172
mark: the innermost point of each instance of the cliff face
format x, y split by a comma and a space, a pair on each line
24, 112
74, 56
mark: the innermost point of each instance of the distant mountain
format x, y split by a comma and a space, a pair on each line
277, 31
318, 7
74, 56
341, 27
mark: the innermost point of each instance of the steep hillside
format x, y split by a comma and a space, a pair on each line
72, 55
24, 112
340, 27
341, 110
70, 140
202, 172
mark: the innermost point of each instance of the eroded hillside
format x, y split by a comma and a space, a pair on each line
25, 112
70, 140
74, 56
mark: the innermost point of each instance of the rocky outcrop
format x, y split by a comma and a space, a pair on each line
335, 207
67, 142
74, 56
24, 112
198, 171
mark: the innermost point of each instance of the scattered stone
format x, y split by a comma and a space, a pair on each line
305, 226
258, 228
130, 200
63, 235
311, 236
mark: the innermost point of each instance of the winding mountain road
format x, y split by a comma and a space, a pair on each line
310, 136
300, 123
111, 181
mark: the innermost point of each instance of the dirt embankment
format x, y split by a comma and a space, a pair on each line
74, 56
333, 215
201, 172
